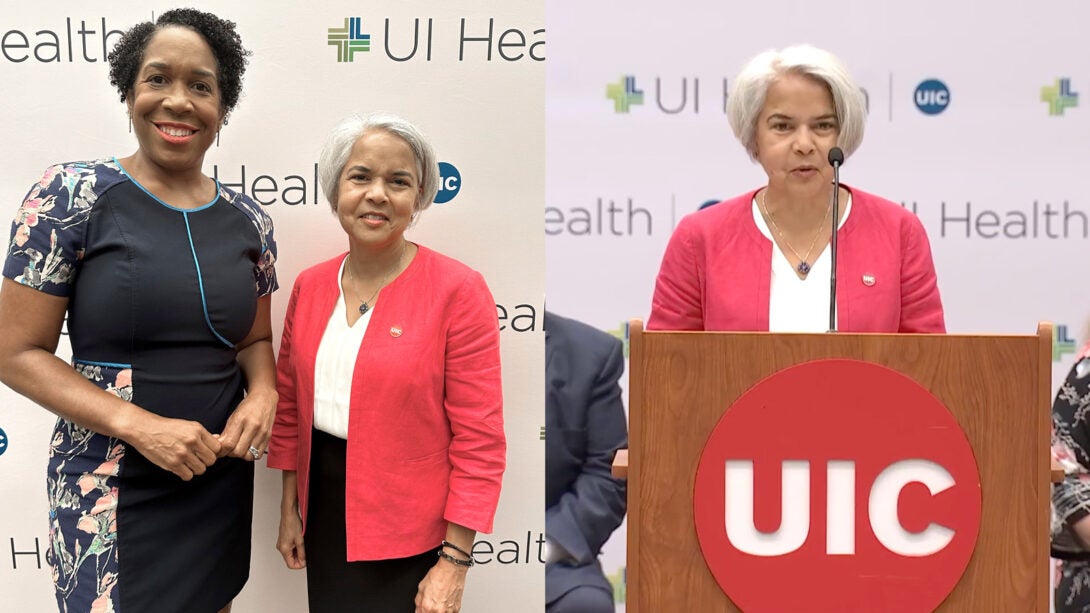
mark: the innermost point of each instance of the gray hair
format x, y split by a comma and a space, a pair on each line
343, 137
747, 97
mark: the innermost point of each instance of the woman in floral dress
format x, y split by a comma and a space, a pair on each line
165, 279
1071, 499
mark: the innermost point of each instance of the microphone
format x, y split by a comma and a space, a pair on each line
836, 158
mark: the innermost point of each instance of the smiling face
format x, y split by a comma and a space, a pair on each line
378, 190
175, 100
795, 131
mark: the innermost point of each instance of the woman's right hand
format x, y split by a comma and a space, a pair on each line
183, 447
290, 540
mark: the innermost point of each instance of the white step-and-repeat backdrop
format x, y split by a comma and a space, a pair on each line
977, 121
470, 74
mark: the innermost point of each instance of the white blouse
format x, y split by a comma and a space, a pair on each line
335, 365
794, 304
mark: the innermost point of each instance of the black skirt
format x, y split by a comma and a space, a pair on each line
334, 584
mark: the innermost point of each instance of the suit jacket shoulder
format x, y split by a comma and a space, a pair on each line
571, 332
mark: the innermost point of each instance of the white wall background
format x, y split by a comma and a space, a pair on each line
994, 148
485, 115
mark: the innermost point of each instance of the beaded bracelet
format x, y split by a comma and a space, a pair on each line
453, 560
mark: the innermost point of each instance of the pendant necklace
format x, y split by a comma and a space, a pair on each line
365, 305
804, 264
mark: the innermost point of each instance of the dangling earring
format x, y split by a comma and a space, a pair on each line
130, 122
222, 126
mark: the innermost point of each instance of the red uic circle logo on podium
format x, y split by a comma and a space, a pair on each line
837, 485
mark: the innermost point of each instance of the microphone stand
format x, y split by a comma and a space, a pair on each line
836, 158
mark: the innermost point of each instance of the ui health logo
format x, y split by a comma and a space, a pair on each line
1061, 343
621, 333
619, 582
3, 442
932, 97
863, 490
1059, 96
672, 95
678, 95
478, 38
624, 94
349, 40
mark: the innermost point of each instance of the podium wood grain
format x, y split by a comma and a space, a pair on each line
997, 387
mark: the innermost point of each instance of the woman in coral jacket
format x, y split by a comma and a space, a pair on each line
389, 428
759, 261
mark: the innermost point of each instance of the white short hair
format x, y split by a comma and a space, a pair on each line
339, 143
747, 98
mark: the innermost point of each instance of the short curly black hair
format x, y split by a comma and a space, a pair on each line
220, 34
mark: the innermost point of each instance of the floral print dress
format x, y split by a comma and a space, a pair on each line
1071, 499
157, 299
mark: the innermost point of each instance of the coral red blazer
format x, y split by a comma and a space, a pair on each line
717, 271
425, 431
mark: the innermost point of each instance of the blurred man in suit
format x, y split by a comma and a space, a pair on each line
585, 425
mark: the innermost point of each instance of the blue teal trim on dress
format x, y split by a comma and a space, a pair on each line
103, 364
156, 198
200, 281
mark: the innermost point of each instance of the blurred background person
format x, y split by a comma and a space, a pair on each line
585, 426
1071, 499
389, 430
166, 279
759, 261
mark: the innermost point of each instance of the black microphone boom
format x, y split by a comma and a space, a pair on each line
836, 158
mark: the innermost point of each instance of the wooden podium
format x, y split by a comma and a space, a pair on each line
997, 387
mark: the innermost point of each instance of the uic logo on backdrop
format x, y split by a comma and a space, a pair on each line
1059, 96
848, 477
3, 441
932, 97
1061, 343
450, 183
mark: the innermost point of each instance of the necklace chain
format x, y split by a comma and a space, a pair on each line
804, 263
365, 305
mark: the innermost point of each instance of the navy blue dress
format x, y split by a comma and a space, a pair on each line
158, 299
